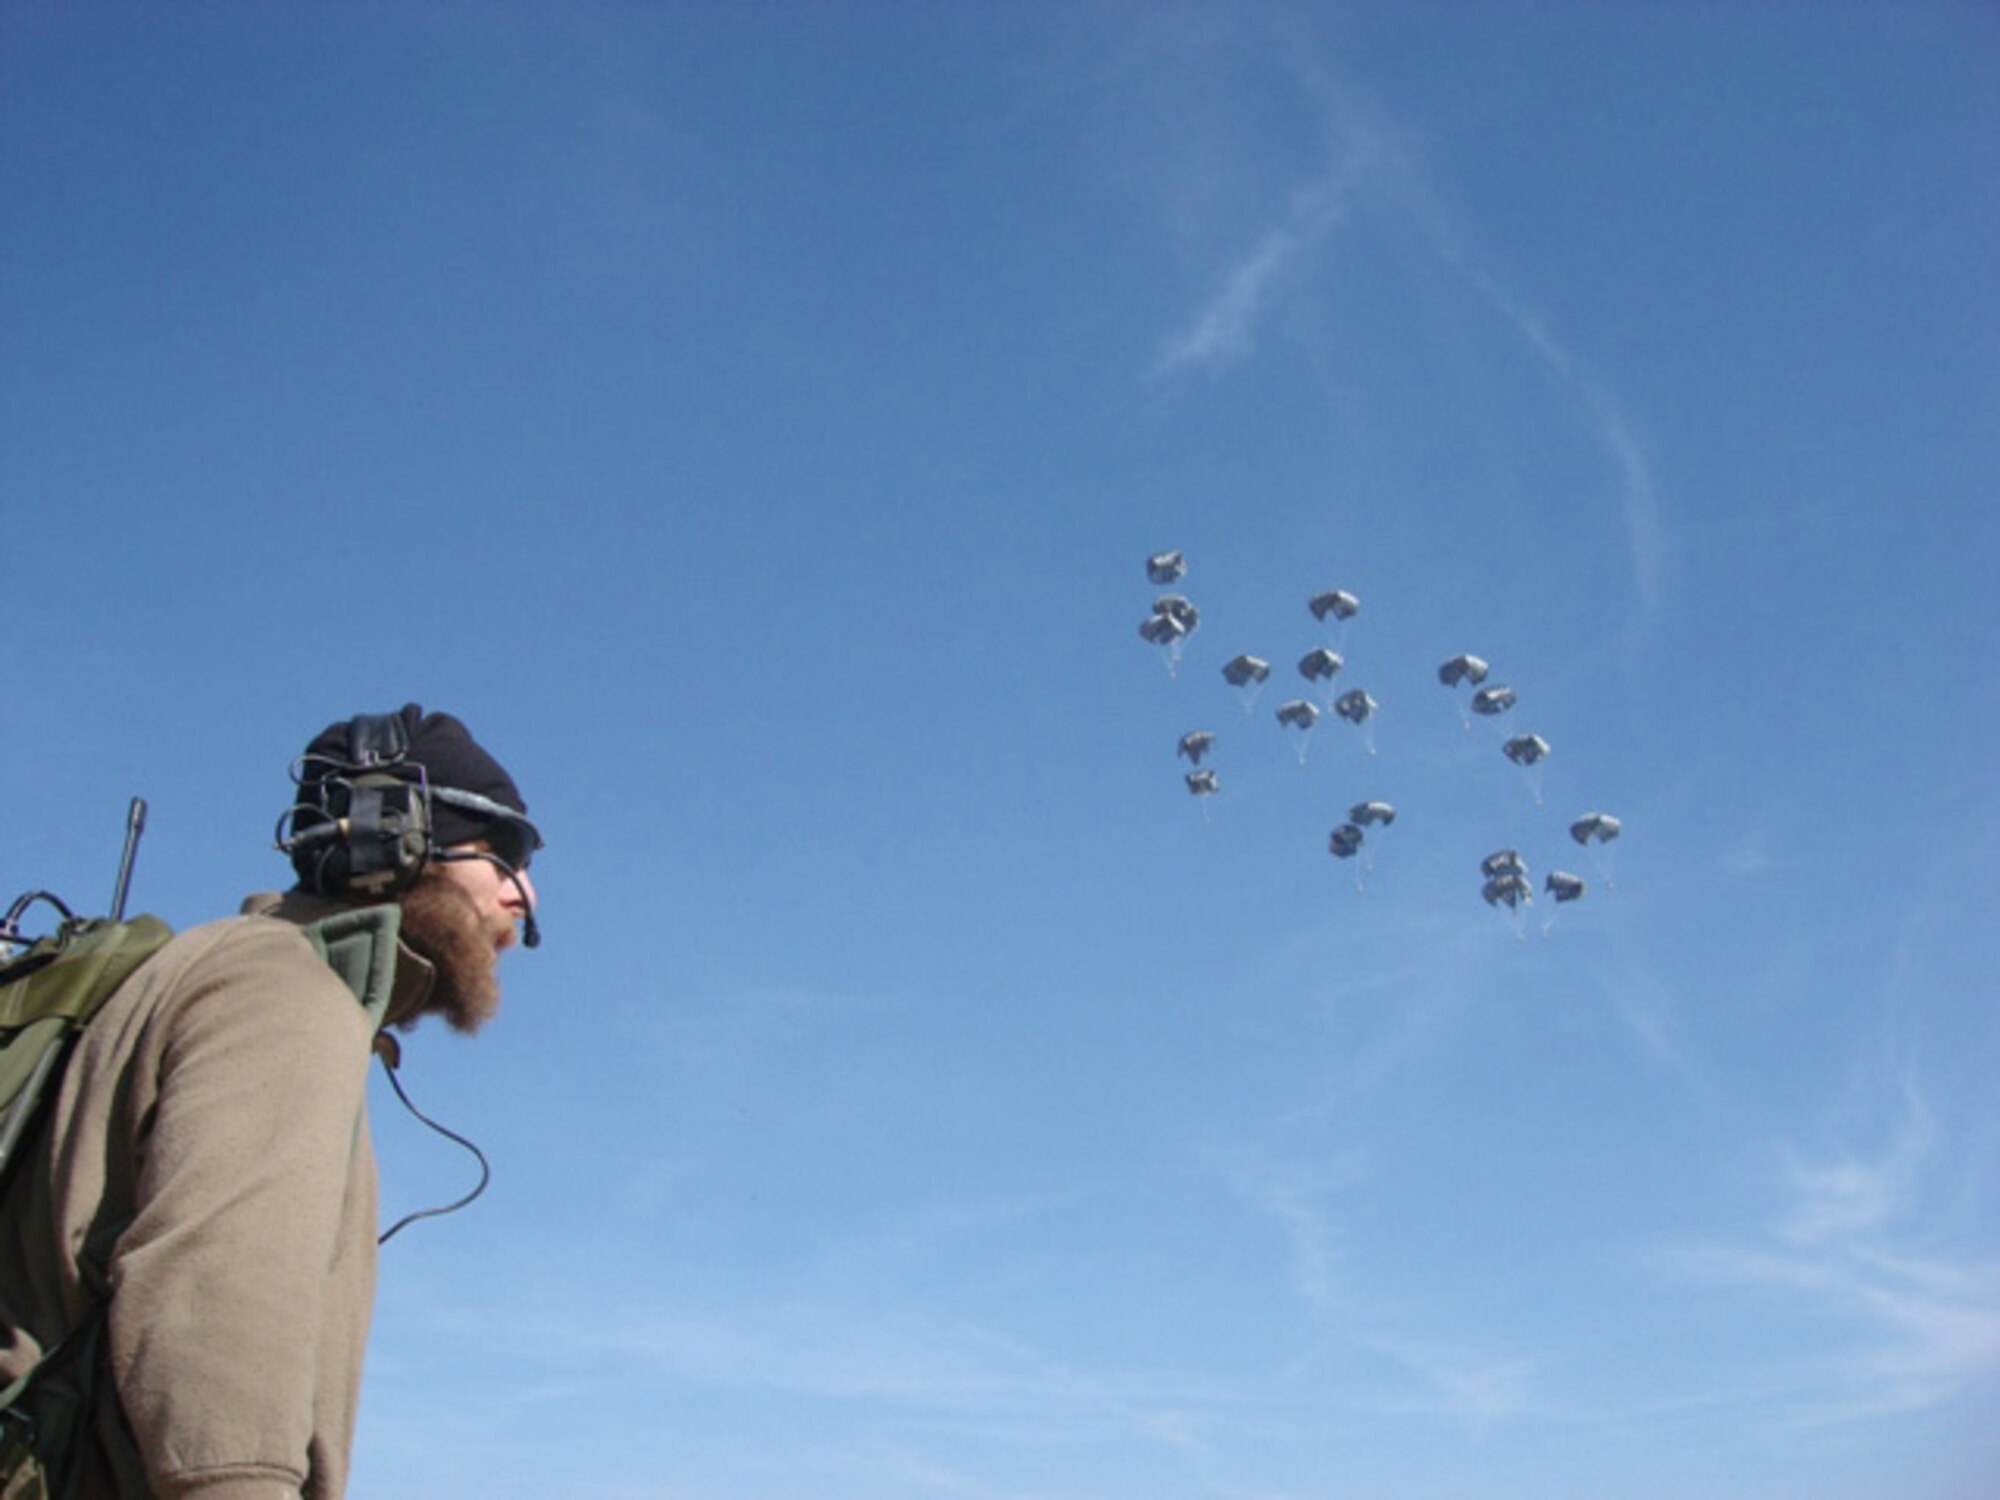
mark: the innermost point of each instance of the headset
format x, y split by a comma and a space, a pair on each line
362, 824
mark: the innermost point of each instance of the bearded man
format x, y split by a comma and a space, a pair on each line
193, 1250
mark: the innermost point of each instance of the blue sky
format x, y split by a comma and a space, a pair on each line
754, 420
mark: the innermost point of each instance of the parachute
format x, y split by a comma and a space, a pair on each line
1166, 567
1358, 708
1599, 826
1165, 630
1177, 608
1195, 744
1367, 814
1503, 862
1510, 892
1321, 664
1528, 751
1249, 674
1342, 605
1333, 609
1300, 715
1244, 669
1564, 886
1345, 842
1355, 706
1462, 668
1490, 702
1172, 621
1596, 831
1202, 785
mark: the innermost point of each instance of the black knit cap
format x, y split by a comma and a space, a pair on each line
450, 760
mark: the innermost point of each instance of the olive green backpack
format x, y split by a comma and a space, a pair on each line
50, 988
48, 994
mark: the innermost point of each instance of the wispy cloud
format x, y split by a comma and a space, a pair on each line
1225, 329
1372, 157
908, 1360
1471, 1383
1847, 1197
1466, 1381
1298, 1199
1904, 1330
1607, 417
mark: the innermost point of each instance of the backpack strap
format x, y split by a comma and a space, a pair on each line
72, 972
46, 997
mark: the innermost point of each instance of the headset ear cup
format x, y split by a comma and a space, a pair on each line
377, 839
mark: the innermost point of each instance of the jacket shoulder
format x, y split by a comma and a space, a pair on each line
256, 962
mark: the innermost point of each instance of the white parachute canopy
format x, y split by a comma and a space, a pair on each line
1239, 670
1508, 892
1597, 831
1528, 751
1601, 827
1355, 706
1300, 715
1491, 702
1168, 633
1336, 604
1177, 608
1358, 708
1369, 814
1319, 664
1462, 668
1195, 744
1247, 674
1202, 785
1172, 621
1166, 568
1333, 608
1564, 886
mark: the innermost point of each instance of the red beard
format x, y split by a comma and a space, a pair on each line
441, 923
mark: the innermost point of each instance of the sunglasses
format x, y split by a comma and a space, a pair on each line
508, 834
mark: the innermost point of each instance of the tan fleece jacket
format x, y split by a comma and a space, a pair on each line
208, 1168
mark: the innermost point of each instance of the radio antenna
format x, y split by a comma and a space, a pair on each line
135, 824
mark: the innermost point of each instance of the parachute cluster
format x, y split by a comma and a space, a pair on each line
1506, 883
1174, 618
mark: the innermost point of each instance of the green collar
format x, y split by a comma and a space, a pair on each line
360, 946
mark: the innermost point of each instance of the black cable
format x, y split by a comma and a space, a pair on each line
485, 1170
